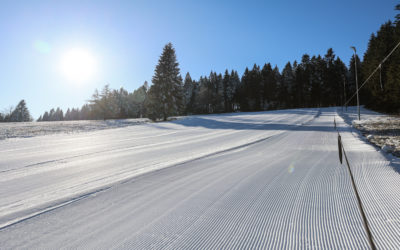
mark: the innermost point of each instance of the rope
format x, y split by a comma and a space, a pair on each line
376, 69
360, 206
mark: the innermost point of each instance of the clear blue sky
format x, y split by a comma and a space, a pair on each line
126, 39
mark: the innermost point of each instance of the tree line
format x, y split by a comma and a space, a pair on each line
105, 104
382, 91
314, 82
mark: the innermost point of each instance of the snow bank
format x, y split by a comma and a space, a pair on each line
379, 129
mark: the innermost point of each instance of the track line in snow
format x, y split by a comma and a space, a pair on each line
91, 192
97, 181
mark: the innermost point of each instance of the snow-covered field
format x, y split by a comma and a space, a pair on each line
30, 129
380, 129
268, 180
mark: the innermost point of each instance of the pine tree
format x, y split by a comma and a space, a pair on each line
204, 94
107, 105
85, 113
207, 94
278, 87
21, 113
351, 83
187, 91
46, 116
397, 7
340, 76
119, 98
75, 114
316, 78
216, 89
287, 83
242, 95
268, 86
138, 99
227, 89
7, 114
255, 89
282, 91
192, 106
233, 90
329, 81
165, 94
67, 115
58, 116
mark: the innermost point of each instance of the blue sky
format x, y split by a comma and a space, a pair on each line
126, 38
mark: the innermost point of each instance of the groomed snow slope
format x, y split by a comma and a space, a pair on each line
249, 180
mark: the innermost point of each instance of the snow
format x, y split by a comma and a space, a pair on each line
30, 129
380, 129
269, 180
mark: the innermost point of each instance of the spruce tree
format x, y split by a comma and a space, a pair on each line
278, 87
203, 98
21, 113
317, 71
255, 89
287, 83
165, 95
351, 84
85, 113
187, 90
329, 81
340, 76
138, 99
233, 90
59, 115
268, 86
243, 91
46, 116
216, 88
193, 101
67, 115
227, 89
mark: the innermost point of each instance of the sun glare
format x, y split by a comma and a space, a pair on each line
78, 65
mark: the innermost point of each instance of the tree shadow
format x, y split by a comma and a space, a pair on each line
243, 123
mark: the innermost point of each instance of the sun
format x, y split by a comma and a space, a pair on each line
78, 65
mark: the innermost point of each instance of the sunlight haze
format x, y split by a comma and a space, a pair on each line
78, 65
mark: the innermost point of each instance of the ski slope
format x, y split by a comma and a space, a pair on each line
267, 180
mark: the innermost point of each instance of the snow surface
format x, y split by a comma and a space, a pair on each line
268, 180
30, 129
379, 129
